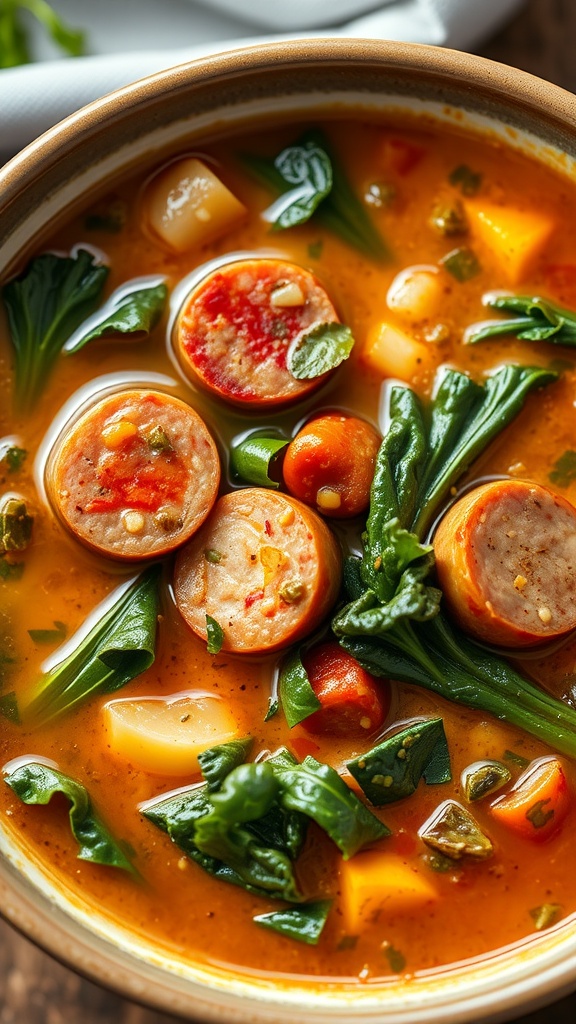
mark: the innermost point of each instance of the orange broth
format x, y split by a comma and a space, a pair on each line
481, 906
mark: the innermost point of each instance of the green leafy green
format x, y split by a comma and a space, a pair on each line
49, 636
15, 525
393, 625
217, 762
462, 264
307, 168
545, 915
514, 758
36, 783
252, 459
110, 217
45, 305
296, 695
340, 211
133, 310
215, 635
532, 319
14, 48
319, 350
14, 457
563, 472
465, 179
117, 648
10, 570
392, 770
304, 923
395, 958
9, 707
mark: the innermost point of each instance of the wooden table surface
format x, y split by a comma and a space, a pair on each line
33, 988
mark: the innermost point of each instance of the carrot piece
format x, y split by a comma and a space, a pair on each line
330, 464
374, 881
354, 703
539, 802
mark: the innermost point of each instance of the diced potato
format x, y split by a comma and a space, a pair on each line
164, 735
416, 293
187, 205
515, 237
379, 881
393, 353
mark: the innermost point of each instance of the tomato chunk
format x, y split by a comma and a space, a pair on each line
330, 464
539, 802
354, 703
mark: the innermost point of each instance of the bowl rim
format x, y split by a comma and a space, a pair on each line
486, 85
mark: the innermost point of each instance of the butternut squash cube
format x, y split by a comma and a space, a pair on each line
378, 881
164, 735
391, 352
515, 237
186, 205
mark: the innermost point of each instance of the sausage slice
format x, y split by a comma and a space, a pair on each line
506, 561
264, 566
236, 327
135, 476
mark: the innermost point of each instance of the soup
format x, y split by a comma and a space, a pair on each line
225, 661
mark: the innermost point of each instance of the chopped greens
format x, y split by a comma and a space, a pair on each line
484, 778
14, 47
10, 570
453, 832
531, 319
217, 762
563, 472
449, 219
45, 305
215, 636
308, 169
340, 210
49, 636
36, 783
297, 697
15, 525
395, 958
133, 311
511, 755
14, 457
319, 350
118, 647
465, 179
462, 264
253, 459
392, 770
303, 923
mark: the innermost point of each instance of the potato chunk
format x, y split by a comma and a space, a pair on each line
164, 735
515, 237
187, 205
393, 353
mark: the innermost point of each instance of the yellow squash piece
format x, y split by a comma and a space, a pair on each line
377, 881
186, 205
391, 352
164, 735
515, 237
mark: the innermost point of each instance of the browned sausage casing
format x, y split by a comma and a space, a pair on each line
264, 566
506, 562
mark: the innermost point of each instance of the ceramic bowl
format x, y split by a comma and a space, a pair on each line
160, 115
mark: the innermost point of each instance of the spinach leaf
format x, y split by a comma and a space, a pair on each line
44, 306
392, 770
9, 707
317, 791
308, 169
340, 211
118, 647
215, 635
297, 697
15, 525
36, 783
533, 319
462, 264
14, 47
252, 459
13, 456
49, 636
134, 310
319, 350
217, 762
465, 179
304, 923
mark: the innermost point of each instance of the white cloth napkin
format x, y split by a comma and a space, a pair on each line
133, 38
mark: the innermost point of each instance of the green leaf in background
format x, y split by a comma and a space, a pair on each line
217, 762
10, 570
533, 319
465, 179
15, 525
44, 306
14, 47
118, 647
563, 472
133, 310
308, 170
296, 695
303, 923
319, 350
462, 264
49, 636
13, 456
392, 770
215, 635
36, 783
251, 460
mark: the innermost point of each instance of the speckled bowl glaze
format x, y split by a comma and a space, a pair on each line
133, 126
